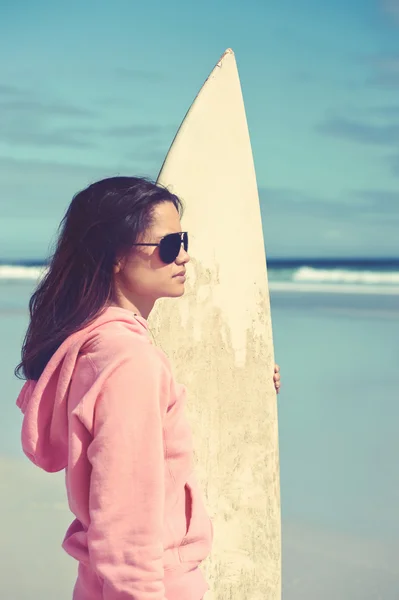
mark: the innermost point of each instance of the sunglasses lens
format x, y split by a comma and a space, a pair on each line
185, 241
169, 248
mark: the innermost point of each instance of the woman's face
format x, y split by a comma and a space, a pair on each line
142, 277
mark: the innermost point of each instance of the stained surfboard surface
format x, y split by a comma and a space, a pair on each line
219, 339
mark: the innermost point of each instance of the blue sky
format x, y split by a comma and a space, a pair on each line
90, 89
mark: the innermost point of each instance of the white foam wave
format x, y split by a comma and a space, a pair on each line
304, 279
310, 274
19, 272
333, 288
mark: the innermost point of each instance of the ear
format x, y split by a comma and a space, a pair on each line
119, 264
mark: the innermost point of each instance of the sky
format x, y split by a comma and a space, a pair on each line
92, 89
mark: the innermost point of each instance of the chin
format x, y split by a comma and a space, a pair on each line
176, 293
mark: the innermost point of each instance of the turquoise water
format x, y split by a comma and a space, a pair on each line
338, 419
339, 447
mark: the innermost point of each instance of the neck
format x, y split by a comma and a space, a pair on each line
138, 306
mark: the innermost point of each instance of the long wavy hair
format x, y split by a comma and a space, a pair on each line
99, 227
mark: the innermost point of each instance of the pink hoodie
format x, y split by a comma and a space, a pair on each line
107, 410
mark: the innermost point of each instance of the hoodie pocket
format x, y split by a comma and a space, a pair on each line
196, 544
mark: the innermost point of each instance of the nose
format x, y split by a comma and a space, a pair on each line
183, 257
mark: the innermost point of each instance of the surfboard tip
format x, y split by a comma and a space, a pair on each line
228, 52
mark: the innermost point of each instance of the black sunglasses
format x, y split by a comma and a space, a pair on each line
170, 245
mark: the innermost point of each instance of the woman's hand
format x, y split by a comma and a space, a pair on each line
276, 378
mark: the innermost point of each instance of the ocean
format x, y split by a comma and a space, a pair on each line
359, 275
336, 334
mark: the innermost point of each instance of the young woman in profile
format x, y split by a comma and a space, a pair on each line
100, 400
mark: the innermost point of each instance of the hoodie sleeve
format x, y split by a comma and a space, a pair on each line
125, 536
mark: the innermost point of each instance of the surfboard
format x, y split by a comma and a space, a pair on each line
219, 339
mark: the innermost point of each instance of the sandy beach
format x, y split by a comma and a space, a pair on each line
338, 452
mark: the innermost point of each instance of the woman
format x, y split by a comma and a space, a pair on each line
100, 400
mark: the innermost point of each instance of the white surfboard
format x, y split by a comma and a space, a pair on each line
219, 339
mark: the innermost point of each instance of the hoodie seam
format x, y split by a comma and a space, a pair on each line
93, 366
95, 373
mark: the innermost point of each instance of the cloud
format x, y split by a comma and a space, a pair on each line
61, 137
389, 112
48, 109
34, 197
385, 201
42, 168
10, 90
350, 224
26, 120
293, 202
394, 162
376, 126
391, 8
360, 132
385, 71
346, 217
154, 154
139, 131
34, 188
139, 74
16, 100
285, 199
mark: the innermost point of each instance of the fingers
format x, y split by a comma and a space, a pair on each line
277, 378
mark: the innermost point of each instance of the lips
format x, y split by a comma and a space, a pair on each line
181, 274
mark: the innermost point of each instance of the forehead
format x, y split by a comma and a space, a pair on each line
165, 220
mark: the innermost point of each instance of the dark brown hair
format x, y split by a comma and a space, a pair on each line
100, 226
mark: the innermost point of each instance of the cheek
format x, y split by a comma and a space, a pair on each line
146, 279
163, 276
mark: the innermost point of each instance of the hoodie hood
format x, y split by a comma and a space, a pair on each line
43, 403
